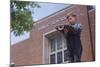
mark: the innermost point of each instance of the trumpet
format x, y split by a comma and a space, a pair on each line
60, 27
67, 28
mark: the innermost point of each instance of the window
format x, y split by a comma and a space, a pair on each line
66, 55
58, 50
52, 45
52, 59
59, 43
59, 57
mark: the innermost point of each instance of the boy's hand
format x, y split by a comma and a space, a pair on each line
65, 30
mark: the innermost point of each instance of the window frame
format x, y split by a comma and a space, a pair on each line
60, 50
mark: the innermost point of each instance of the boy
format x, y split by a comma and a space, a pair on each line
71, 31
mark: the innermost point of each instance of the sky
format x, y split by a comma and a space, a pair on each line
45, 10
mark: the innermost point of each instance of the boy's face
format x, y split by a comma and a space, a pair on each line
71, 19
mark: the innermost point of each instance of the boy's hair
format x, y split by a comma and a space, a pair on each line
71, 14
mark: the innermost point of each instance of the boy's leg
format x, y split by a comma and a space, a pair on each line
71, 56
70, 50
77, 58
77, 54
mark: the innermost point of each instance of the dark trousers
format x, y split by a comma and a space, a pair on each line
74, 48
75, 56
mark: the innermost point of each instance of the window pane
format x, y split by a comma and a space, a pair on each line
52, 59
59, 57
59, 43
66, 55
65, 43
52, 48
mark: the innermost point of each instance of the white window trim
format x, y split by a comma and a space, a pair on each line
43, 56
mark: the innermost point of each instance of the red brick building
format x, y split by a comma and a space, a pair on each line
42, 46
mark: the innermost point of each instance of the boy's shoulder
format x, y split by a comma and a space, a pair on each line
77, 25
